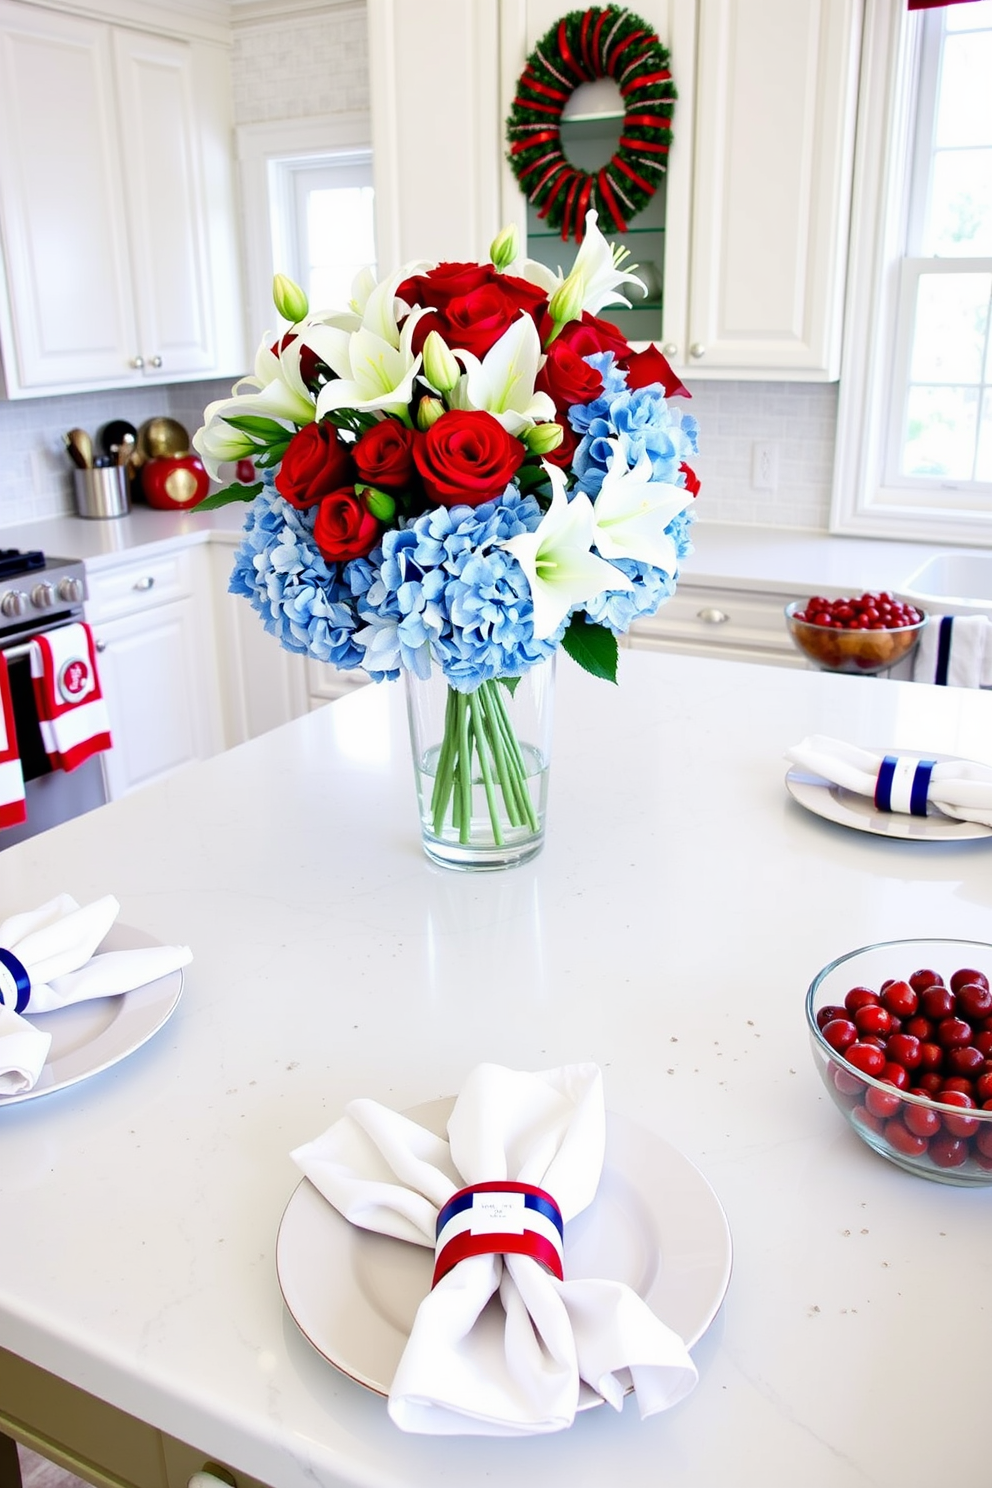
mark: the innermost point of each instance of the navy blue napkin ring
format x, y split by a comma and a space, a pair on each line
903, 784
15, 984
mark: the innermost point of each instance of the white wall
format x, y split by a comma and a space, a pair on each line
315, 62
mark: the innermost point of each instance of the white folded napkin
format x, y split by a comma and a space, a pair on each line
514, 1367
54, 945
23, 1051
961, 789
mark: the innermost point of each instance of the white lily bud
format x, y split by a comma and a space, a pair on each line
567, 301
290, 300
429, 410
505, 248
440, 367
541, 439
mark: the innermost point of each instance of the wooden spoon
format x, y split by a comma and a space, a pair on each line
80, 447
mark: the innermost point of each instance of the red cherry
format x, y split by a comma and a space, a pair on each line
974, 1000
929, 1083
983, 1141
873, 1019
983, 1041
864, 1117
846, 1082
882, 1103
839, 1033
865, 1057
967, 975
921, 980
828, 1012
953, 1033
966, 1060
900, 999
895, 1074
919, 1027
859, 997
937, 1003
958, 1126
931, 1056
922, 1121
983, 1087
958, 1083
903, 1140
903, 1049
948, 1151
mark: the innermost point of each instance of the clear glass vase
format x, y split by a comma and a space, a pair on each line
481, 762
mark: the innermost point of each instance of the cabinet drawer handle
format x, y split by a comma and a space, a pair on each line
670, 349
146, 583
137, 363
697, 350
712, 617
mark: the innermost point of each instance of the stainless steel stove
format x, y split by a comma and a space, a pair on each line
38, 592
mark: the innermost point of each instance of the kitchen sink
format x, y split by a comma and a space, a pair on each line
954, 583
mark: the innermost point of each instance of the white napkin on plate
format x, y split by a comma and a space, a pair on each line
55, 944
961, 789
512, 1367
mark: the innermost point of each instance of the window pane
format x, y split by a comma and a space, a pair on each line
341, 241
961, 205
940, 432
970, 17
964, 107
951, 324
983, 464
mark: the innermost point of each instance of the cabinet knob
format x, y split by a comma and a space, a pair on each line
697, 350
146, 583
155, 361
212, 1475
711, 616
137, 363
100, 645
670, 349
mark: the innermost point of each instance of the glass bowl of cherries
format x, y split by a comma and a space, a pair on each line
902, 1037
865, 634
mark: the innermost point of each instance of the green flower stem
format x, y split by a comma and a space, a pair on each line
479, 742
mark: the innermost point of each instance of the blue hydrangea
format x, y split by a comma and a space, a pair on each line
642, 419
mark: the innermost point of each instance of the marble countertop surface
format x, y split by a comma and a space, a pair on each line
774, 559
668, 931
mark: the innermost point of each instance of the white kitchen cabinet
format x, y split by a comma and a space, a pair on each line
742, 624
153, 626
116, 206
750, 243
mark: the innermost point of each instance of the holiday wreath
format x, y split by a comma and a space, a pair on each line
584, 45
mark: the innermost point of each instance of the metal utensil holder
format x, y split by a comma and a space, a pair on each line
102, 491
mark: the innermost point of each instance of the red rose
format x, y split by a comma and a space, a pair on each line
383, 455
344, 527
691, 479
645, 367
440, 285
565, 452
315, 463
567, 378
473, 305
588, 335
467, 458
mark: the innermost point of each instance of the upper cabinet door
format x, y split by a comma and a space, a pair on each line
68, 315
166, 207
775, 111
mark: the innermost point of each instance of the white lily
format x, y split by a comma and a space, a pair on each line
373, 376
631, 512
216, 441
561, 569
275, 390
595, 278
502, 383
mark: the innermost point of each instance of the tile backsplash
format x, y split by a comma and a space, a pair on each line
316, 62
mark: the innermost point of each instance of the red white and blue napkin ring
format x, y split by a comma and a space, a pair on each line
902, 784
15, 984
499, 1218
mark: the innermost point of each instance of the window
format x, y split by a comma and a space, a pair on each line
914, 456
308, 199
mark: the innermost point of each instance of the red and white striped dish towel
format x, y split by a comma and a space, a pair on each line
13, 809
71, 711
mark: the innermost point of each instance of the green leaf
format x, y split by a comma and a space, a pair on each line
257, 427
355, 420
593, 647
510, 683
237, 492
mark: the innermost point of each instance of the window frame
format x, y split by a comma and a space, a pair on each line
866, 500
268, 153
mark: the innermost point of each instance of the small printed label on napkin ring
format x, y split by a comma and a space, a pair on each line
15, 984
902, 784
499, 1218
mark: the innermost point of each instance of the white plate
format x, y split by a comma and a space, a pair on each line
655, 1224
851, 810
90, 1036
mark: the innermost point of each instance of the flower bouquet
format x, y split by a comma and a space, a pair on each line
461, 472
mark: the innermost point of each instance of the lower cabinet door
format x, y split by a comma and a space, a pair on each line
151, 674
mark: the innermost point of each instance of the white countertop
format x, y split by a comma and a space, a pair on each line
758, 557
668, 931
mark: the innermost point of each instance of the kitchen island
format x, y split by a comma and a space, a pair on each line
668, 931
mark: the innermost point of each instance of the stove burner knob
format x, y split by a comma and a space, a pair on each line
71, 589
13, 603
43, 596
